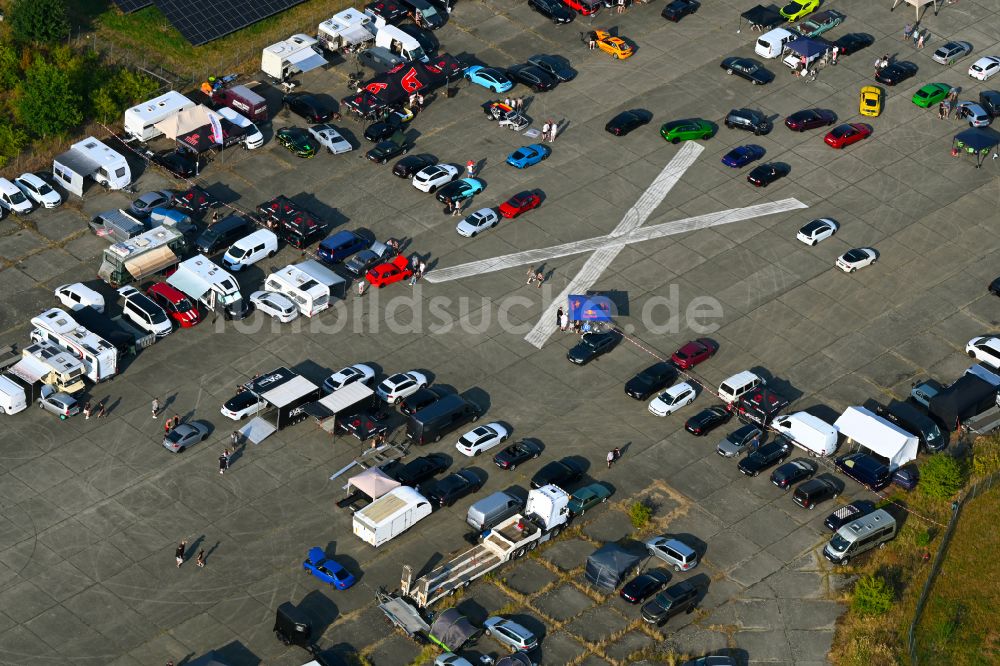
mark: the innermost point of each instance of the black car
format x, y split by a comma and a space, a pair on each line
765, 456
592, 345
299, 141
626, 121
454, 487
532, 77
455, 191
749, 69
805, 119
520, 451
678, 598
853, 42
559, 472
557, 66
640, 587
423, 397
417, 470
428, 42
817, 490
651, 380
765, 174
383, 129
707, 420
309, 106
678, 9
386, 150
865, 469
793, 471
895, 73
411, 164
181, 163
364, 426
390, 10
553, 9
760, 406
749, 120
847, 513
994, 287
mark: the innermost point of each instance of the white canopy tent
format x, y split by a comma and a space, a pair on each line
918, 5
878, 435
372, 482
185, 121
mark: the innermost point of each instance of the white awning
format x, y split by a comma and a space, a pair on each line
346, 397
373, 482
151, 262
306, 60
356, 35
189, 283
30, 369
293, 389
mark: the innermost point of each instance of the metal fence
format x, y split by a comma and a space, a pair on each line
976, 490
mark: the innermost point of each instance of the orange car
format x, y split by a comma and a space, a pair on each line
614, 46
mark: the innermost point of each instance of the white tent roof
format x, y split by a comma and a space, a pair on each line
293, 389
878, 435
917, 5
373, 482
184, 121
347, 396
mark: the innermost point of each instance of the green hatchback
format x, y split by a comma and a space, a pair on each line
931, 94
588, 497
684, 130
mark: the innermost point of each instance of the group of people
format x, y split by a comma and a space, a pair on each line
416, 102
950, 102
180, 554
563, 323
88, 410
515, 103
882, 62
535, 278
913, 31
549, 130
418, 267
171, 423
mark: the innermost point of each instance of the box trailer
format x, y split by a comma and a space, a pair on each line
296, 55
348, 30
146, 254
243, 101
99, 357
390, 515
285, 395
140, 120
91, 158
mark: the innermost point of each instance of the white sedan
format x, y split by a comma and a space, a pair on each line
857, 258
673, 399
817, 230
483, 438
430, 178
38, 190
484, 218
275, 305
984, 68
330, 138
985, 348
358, 372
401, 385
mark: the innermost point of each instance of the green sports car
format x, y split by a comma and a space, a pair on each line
683, 130
297, 140
930, 94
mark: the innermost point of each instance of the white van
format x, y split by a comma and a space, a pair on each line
859, 536
251, 249
253, 138
813, 434
390, 515
733, 388
771, 43
144, 313
12, 396
78, 295
13, 199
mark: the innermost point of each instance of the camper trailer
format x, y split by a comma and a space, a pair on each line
100, 358
137, 258
206, 282
308, 284
295, 55
57, 367
347, 30
91, 159
243, 101
140, 120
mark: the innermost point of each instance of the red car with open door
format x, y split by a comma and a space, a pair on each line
389, 272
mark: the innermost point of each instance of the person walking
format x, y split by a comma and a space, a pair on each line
456, 209
201, 559
179, 553
470, 168
223, 462
531, 277
553, 129
421, 270
86, 411
235, 438
618, 453
611, 459
156, 407
923, 36
100, 410
559, 317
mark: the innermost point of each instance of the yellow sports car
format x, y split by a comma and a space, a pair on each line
615, 46
796, 9
871, 101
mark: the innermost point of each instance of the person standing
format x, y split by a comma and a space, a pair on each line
545, 131
907, 31
833, 55
223, 462
456, 209
156, 407
553, 128
920, 42
470, 168
235, 438
168, 426
621, 6
618, 453
201, 559
531, 277
86, 411
179, 553
611, 459
539, 279
421, 270
941, 110
559, 318
564, 323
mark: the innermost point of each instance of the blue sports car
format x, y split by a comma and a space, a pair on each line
740, 156
327, 570
527, 156
489, 78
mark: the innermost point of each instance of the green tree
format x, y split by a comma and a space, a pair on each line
124, 89
10, 65
986, 456
872, 596
47, 103
941, 476
12, 141
39, 20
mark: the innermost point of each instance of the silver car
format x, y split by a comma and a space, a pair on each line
378, 253
331, 139
62, 405
185, 435
145, 204
737, 441
484, 218
510, 633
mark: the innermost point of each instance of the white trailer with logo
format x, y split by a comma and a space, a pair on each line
295, 55
141, 119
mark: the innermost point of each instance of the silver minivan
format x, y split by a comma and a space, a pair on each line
493, 510
860, 536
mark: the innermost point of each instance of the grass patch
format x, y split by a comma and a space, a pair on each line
640, 513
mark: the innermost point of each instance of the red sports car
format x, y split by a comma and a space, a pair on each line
585, 8
844, 135
175, 303
694, 352
389, 272
521, 202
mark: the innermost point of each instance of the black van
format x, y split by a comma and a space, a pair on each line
913, 420
432, 423
222, 234
866, 470
990, 101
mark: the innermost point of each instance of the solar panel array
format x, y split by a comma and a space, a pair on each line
201, 21
129, 6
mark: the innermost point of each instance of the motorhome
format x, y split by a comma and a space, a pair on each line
347, 30
137, 258
140, 120
58, 367
91, 159
295, 55
100, 357
308, 284
206, 282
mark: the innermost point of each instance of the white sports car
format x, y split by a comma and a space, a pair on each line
430, 178
358, 372
401, 385
984, 68
817, 230
480, 439
275, 305
857, 258
673, 399
330, 138
484, 218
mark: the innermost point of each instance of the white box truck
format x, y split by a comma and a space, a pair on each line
140, 120
390, 515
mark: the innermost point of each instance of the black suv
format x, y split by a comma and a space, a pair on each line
454, 487
792, 472
423, 397
814, 491
680, 597
651, 380
749, 120
760, 406
560, 472
309, 107
417, 470
767, 455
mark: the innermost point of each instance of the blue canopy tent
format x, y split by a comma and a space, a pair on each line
590, 307
807, 47
977, 142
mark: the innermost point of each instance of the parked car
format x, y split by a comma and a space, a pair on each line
510, 633
856, 258
417, 470
949, 52
592, 345
386, 150
642, 586
55, 402
482, 438
400, 385
242, 405
674, 552
694, 352
985, 348
796, 9
471, 225
930, 94
514, 454
740, 156
896, 73
520, 203
672, 399
39, 191
800, 121
678, 9
765, 456
363, 261
554, 65
532, 77
817, 490
687, 129
682, 597
489, 78
430, 178
395, 270
844, 135
626, 121
853, 42
327, 569
650, 380
586, 498
765, 174
145, 204
175, 303
460, 190
359, 372
308, 106
299, 141
184, 436
847, 513
410, 165
738, 441
554, 10
707, 420
749, 69
454, 487
559, 472
984, 68
749, 120
529, 155
330, 138
817, 230
793, 471
275, 305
